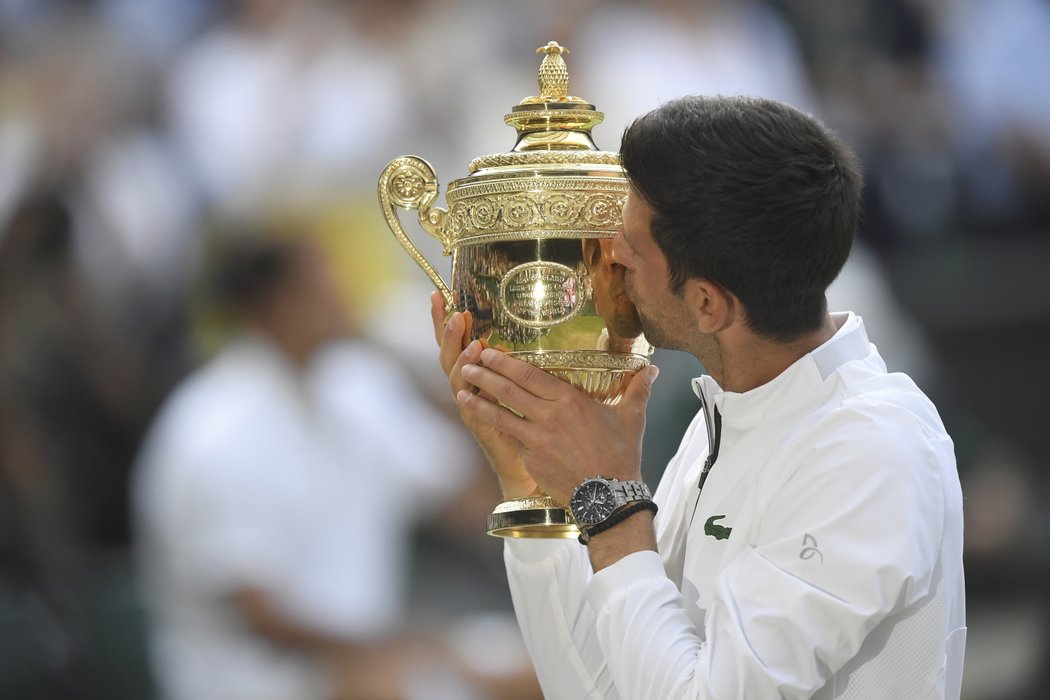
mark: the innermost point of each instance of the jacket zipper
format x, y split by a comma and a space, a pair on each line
713, 419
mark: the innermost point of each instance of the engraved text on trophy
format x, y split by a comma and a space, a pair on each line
541, 294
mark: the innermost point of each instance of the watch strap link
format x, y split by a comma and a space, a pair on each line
634, 491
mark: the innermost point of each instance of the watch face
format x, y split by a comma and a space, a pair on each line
592, 502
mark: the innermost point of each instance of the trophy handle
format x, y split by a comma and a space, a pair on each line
409, 182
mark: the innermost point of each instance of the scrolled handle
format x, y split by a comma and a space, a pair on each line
409, 183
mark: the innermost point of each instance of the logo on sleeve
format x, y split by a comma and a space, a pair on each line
719, 532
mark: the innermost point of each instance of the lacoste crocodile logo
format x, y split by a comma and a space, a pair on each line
719, 532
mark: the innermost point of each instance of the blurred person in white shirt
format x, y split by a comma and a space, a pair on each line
274, 497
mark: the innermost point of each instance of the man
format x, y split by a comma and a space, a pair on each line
274, 498
809, 537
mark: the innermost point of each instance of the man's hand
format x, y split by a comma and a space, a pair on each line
563, 435
502, 450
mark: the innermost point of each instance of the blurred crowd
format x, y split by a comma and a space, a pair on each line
146, 146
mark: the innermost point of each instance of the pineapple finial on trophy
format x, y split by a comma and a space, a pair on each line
554, 75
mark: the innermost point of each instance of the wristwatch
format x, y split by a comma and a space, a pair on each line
596, 499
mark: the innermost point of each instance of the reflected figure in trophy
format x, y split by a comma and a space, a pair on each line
623, 328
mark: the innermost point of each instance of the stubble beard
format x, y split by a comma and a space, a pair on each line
655, 331
656, 334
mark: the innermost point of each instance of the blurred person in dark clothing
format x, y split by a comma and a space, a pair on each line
73, 401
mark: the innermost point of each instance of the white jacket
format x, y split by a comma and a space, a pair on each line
823, 558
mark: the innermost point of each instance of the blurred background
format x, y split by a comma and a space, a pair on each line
133, 132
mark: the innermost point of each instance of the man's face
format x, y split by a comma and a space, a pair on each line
311, 297
664, 315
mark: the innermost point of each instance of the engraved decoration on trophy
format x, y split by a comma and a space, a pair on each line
529, 232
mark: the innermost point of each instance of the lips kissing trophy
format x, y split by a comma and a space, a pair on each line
529, 232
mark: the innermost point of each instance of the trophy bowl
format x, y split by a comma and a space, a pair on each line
530, 233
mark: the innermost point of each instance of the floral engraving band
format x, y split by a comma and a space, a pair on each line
489, 209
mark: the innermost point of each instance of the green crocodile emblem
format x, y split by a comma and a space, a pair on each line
719, 532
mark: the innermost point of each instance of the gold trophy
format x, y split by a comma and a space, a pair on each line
529, 232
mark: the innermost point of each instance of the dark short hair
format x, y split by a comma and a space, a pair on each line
753, 195
246, 270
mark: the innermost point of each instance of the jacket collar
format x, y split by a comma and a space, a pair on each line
746, 410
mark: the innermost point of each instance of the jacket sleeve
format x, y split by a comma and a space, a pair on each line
548, 583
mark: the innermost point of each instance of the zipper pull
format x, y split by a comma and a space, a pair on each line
708, 423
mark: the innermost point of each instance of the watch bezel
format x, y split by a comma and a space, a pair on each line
582, 512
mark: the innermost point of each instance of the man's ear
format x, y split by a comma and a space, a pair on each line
714, 307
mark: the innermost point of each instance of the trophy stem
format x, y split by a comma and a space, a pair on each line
537, 516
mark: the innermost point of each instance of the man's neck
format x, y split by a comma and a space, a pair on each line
745, 361
297, 349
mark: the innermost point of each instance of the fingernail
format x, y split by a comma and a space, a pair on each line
462, 396
653, 373
487, 354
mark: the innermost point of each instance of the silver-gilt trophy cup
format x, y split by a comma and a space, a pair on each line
529, 232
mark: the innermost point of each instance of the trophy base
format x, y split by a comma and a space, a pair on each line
532, 517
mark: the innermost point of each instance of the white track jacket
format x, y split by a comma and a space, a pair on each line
822, 557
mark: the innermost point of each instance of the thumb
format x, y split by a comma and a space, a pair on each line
641, 387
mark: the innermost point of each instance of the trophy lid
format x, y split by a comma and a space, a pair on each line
553, 127
554, 183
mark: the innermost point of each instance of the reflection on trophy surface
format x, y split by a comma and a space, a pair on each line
623, 328
530, 234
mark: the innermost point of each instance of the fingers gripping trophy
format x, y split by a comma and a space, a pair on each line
529, 232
